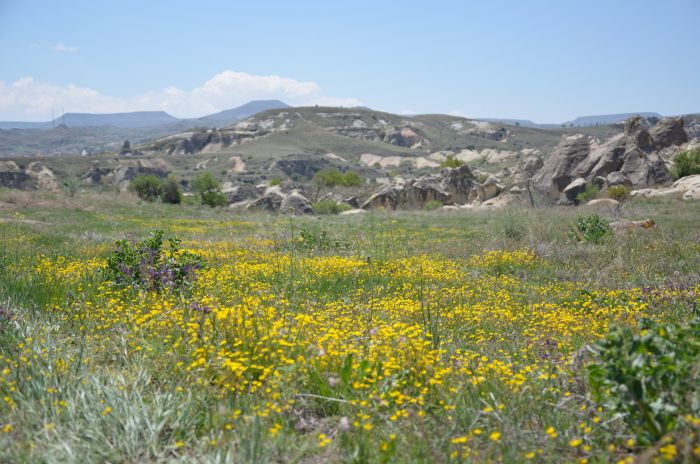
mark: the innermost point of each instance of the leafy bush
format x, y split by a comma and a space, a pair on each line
330, 177
329, 206
618, 192
209, 190
146, 265
71, 186
587, 195
651, 376
451, 162
171, 191
592, 229
481, 177
432, 205
147, 187
686, 163
275, 181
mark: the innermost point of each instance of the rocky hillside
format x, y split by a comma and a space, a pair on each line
398, 157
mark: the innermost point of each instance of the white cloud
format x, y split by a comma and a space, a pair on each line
63, 48
29, 99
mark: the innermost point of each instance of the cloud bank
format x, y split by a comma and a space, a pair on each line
30, 100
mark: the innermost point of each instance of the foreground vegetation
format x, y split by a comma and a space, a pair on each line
411, 337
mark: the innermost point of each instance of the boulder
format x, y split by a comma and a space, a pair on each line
275, 194
637, 134
388, 196
9, 166
296, 203
489, 189
261, 204
668, 132
617, 178
44, 177
425, 190
95, 174
16, 180
240, 193
572, 191
526, 170
352, 201
556, 172
604, 204
687, 188
353, 212
458, 182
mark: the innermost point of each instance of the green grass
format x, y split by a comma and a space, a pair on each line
89, 395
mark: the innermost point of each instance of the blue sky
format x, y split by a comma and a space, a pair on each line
543, 60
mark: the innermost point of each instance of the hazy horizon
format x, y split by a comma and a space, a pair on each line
544, 61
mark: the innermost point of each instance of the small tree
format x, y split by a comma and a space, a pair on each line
209, 190
451, 162
147, 187
126, 147
71, 185
171, 191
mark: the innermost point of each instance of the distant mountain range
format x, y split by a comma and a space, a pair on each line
145, 119
581, 121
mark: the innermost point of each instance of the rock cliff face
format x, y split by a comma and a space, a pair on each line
631, 158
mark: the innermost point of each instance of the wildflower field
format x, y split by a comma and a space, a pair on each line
391, 337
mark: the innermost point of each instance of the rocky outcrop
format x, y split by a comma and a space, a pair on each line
573, 190
451, 185
489, 189
296, 203
557, 171
16, 180
276, 199
668, 132
240, 193
526, 170
42, 175
630, 159
687, 188
298, 167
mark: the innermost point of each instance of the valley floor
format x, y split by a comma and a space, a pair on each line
389, 337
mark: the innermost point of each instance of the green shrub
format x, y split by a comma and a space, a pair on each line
275, 181
649, 376
588, 194
451, 162
209, 190
214, 198
329, 206
146, 265
330, 177
318, 240
686, 163
481, 177
618, 192
71, 186
147, 187
592, 229
432, 205
171, 191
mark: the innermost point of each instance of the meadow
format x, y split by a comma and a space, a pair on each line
388, 337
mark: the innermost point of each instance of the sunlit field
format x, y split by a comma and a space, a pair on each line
390, 337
